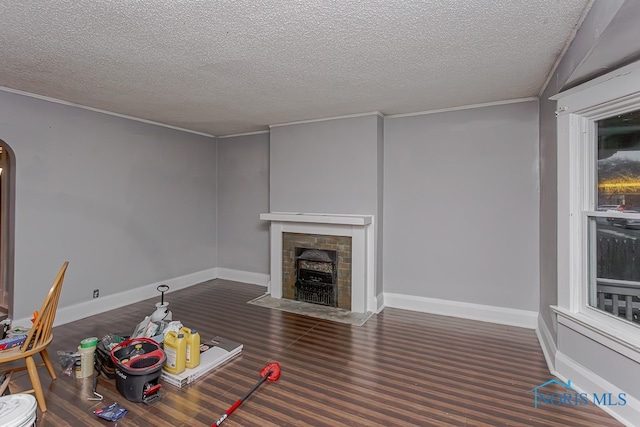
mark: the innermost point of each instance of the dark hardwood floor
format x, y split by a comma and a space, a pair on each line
401, 368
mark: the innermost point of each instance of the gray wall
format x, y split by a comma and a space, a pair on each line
607, 28
331, 166
548, 214
127, 203
325, 167
243, 194
613, 367
130, 204
606, 40
461, 205
380, 213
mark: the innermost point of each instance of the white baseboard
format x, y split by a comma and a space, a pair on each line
590, 383
483, 313
110, 302
547, 343
244, 276
379, 302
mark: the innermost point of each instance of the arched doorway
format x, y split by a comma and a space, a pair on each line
7, 228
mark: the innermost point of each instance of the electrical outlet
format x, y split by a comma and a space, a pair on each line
96, 293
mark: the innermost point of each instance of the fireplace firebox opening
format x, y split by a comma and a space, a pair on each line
333, 267
316, 276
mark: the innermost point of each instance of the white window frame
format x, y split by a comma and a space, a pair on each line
578, 109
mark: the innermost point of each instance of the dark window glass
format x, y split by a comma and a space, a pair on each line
616, 250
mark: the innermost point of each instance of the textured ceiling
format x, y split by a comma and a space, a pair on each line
234, 66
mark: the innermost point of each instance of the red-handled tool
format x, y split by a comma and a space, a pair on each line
271, 372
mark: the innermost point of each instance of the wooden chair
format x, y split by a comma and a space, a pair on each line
38, 338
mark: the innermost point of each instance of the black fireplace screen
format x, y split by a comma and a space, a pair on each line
316, 276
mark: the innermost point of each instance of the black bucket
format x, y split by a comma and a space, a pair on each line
138, 367
104, 363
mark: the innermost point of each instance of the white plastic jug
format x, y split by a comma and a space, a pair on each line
193, 347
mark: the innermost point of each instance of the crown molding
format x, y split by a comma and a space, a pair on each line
463, 107
258, 132
348, 116
97, 110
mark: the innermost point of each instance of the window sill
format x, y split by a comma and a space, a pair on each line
619, 340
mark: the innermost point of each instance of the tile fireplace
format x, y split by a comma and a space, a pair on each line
343, 242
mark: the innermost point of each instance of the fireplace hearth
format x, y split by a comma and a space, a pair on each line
316, 276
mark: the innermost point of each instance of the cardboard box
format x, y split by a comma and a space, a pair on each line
213, 353
13, 341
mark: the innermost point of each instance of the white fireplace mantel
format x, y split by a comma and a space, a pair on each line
358, 227
317, 218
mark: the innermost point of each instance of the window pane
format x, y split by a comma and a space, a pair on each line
614, 243
618, 166
614, 284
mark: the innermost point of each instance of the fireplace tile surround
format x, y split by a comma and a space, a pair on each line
359, 228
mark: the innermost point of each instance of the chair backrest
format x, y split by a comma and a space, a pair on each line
40, 332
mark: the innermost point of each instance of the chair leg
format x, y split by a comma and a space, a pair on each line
5, 384
35, 382
47, 362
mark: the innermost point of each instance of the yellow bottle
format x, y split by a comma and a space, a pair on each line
193, 347
175, 348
